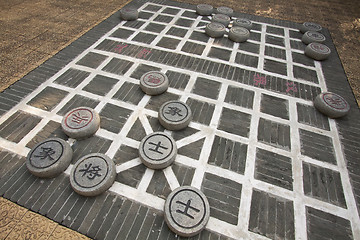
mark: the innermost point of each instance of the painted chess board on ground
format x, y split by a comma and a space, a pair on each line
269, 163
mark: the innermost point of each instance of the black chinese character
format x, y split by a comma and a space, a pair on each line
187, 207
157, 146
92, 173
46, 153
173, 111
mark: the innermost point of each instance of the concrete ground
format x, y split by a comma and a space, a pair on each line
33, 31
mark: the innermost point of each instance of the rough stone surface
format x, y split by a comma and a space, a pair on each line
187, 211
215, 29
311, 36
317, 51
157, 150
332, 105
310, 26
154, 83
221, 18
81, 122
243, 22
175, 115
204, 9
239, 34
49, 158
225, 10
129, 14
93, 174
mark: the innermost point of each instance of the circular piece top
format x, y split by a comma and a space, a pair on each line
92, 174
316, 36
239, 34
175, 115
153, 79
215, 26
243, 22
320, 48
80, 122
175, 111
310, 26
204, 9
187, 211
239, 30
157, 150
79, 118
221, 18
335, 101
154, 83
225, 10
46, 153
49, 157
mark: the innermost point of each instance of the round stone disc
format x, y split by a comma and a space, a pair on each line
242, 22
129, 14
225, 10
154, 83
175, 115
81, 122
93, 174
49, 158
317, 51
239, 34
311, 36
221, 18
310, 26
204, 9
187, 211
157, 150
215, 29
332, 105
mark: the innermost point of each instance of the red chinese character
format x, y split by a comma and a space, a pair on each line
77, 118
258, 80
335, 101
153, 79
143, 53
120, 47
291, 86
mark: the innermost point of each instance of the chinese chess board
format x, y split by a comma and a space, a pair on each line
271, 166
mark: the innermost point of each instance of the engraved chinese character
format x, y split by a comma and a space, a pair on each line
258, 80
120, 47
291, 86
46, 153
157, 146
187, 207
143, 53
174, 111
77, 118
91, 171
314, 35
